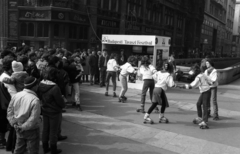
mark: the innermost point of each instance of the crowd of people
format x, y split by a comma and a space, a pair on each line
35, 85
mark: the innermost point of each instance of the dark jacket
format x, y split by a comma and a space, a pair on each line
4, 97
32, 70
93, 61
51, 97
73, 73
101, 61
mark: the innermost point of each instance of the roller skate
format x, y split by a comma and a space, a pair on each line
125, 98
106, 93
147, 119
215, 116
114, 94
78, 106
203, 125
141, 109
156, 110
121, 99
163, 120
197, 120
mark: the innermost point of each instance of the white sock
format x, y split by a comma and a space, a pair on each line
161, 115
146, 115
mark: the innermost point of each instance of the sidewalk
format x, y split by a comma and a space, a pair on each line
107, 126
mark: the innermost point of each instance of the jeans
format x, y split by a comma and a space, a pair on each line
50, 128
28, 140
124, 83
148, 84
103, 72
76, 92
202, 103
113, 75
213, 96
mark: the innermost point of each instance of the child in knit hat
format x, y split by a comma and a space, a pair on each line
17, 77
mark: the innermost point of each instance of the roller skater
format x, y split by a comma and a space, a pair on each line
112, 68
203, 82
126, 69
163, 80
211, 72
146, 70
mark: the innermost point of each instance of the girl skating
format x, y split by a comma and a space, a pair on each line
163, 80
146, 70
203, 82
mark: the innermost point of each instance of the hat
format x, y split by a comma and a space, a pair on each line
17, 66
30, 82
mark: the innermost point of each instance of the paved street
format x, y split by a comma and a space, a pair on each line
106, 126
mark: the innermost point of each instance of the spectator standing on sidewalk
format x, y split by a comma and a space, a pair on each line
112, 68
147, 70
52, 105
211, 72
93, 65
24, 115
6, 92
102, 64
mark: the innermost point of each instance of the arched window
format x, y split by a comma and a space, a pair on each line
23, 29
30, 29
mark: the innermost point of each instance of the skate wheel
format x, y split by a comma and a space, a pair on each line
160, 121
194, 122
144, 122
167, 121
152, 123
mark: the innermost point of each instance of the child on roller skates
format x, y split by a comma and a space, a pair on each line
126, 69
203, 82
146, 70
163, 80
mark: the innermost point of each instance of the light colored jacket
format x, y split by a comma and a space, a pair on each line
126, 69
213, 76
112, 65
147, 73
163, 80
10, 87
24, 110
201, 81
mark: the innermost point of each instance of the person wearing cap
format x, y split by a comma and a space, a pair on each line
23, 114
17, 77
52, 105
211, 72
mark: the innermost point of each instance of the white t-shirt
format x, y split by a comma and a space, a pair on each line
112, 65
213, 76
147, 73
126, 69
163, 80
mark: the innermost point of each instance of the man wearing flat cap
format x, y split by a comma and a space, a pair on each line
24, 115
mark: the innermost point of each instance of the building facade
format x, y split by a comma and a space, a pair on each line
217, 27
75, 24
236, 31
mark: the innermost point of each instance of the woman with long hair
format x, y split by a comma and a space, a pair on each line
146, 70
163, 80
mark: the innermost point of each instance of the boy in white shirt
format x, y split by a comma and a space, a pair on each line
126, 69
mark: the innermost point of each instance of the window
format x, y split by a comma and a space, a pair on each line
40, 30
30, 29
106, 4
56, 30
23, 31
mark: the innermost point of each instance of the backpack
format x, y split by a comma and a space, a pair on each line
5, 97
